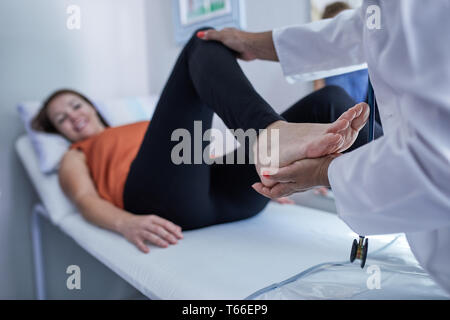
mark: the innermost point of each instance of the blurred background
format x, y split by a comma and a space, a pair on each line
123, 48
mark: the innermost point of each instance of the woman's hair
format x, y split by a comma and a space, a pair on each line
41, 122
334, 9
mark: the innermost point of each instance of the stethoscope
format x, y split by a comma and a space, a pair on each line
361, 246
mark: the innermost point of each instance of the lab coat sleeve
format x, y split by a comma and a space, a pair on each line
322, 48
401, 182
394, 184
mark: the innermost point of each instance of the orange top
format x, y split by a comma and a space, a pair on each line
109, 156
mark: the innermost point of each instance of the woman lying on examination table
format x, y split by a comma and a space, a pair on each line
124, 179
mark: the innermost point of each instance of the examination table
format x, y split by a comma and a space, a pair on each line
285, 252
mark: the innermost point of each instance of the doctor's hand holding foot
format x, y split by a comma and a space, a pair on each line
310, 169
300, 176
299, 141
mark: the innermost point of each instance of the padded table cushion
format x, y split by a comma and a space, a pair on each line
229, 261
47, 186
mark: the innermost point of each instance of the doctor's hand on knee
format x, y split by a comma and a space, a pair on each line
248, 45
300, 176
150, 228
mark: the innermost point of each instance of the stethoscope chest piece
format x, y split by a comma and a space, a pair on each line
359, 250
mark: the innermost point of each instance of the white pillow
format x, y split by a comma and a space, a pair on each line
50, 148
120, 112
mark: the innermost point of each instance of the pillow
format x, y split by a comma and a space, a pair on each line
120, 112
50, 148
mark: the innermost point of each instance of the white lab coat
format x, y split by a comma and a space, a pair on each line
400, 182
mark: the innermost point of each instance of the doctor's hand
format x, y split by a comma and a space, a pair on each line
249, 46
150, 228
284, 200
297, 141
298, 177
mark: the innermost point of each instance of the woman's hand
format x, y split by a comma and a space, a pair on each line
150, 228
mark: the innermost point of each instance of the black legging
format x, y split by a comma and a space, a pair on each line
208, 79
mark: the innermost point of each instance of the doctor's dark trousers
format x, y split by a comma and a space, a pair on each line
207, 79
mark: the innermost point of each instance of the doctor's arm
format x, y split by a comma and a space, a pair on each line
324, 45
77, 184
399, 182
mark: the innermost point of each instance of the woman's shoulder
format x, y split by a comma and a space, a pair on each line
70, 156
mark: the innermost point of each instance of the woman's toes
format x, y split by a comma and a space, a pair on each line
360, 109
338, 126
360, 121
349, 115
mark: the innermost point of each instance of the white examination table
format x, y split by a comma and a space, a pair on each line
231, 261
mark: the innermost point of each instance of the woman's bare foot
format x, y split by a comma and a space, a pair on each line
299, 141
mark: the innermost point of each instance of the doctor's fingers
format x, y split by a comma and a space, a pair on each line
210, 34
296, 172
168, 225
278, 191
228, 36
284, 200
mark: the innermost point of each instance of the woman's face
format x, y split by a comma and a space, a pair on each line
73, 117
